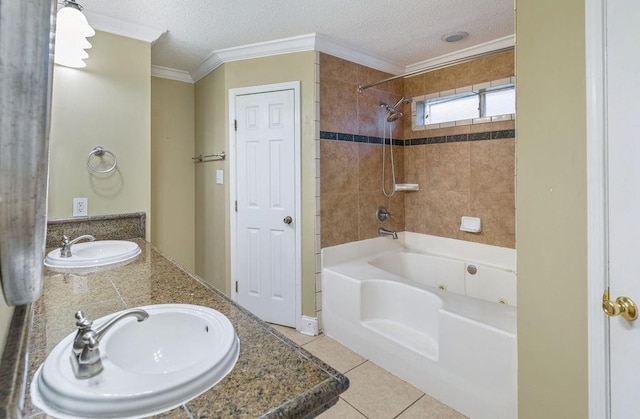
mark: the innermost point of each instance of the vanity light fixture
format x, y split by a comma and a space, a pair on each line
454, 36
72, 31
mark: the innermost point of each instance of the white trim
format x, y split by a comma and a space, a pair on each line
268, 48
328, 46
233, 196
477, 88
205, 67
120, 27
250, 51
170, 74
321, 43
507, 41
307, 42
233, 93
598, 333
309, 326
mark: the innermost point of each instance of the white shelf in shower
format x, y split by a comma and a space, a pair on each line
406, 187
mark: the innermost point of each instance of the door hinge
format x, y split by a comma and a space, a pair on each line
235, 125
236, 286
236, 206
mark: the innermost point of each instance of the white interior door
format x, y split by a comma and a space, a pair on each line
622, 95
265, 254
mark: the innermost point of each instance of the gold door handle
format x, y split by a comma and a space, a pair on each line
623, 306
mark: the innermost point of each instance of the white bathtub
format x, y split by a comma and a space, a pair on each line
411, 306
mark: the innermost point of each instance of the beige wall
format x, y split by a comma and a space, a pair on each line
350, 172
350, 191
172, 170
551, 221
493, 67
343, 109
107, 103
466, 178
212, 201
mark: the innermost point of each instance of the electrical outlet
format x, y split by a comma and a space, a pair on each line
80, 207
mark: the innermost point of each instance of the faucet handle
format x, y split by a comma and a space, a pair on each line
90, 352
88, 363
65, 240
84, 325
382, 214
81, 321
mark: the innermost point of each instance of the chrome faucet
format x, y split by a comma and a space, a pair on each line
384, 232
65, 244
85, 354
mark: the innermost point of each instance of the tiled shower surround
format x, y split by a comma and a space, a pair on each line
462, 170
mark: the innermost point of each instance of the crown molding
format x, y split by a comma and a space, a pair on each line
257, 50
496, 44
171, 74
119, 27
308, 42
205, 67
269, 48
328, 46
318, 42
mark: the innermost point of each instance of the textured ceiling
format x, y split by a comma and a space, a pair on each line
401, 32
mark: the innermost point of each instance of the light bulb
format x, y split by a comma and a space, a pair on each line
72, 29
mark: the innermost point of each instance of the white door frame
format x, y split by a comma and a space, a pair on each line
233, 93
598, 326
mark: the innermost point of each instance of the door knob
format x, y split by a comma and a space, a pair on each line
623, 306
288, 219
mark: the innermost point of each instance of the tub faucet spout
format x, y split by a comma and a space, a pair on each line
65, 244
384, 232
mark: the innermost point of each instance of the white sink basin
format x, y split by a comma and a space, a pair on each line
94, 254
150, 367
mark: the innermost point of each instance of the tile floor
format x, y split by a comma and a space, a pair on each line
373, 392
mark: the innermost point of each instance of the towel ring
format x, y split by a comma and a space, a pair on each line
99, 151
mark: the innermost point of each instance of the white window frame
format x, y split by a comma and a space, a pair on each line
481, 89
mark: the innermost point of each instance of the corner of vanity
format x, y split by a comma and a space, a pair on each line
273, 377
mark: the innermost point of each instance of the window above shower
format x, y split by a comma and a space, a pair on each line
477, 104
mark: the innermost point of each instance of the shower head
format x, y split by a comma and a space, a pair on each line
393, 114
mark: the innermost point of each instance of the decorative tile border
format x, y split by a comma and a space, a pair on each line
339, 136
476, 136
507, 133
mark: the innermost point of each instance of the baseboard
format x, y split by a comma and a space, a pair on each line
309, 326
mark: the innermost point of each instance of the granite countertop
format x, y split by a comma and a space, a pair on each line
273, 377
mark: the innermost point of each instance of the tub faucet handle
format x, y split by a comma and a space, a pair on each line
382, 214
